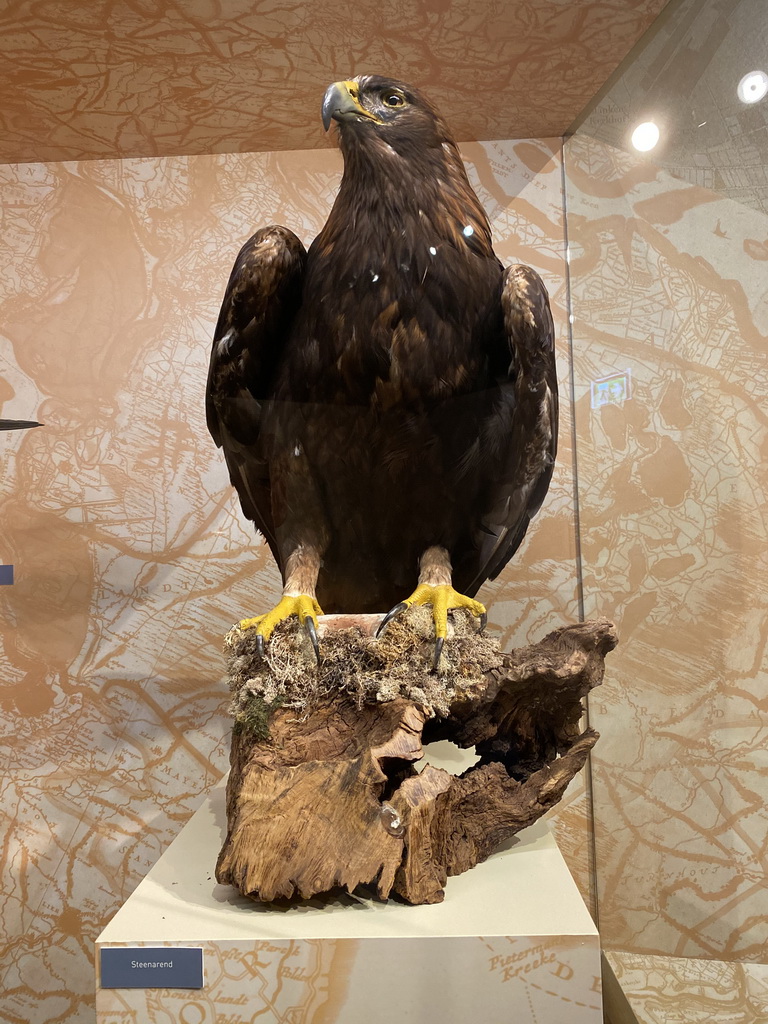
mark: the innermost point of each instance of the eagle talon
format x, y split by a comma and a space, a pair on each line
400, 607
483, 622
444, 600
309, 626
303, 606
438, 651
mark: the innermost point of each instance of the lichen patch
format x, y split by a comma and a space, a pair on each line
369, 669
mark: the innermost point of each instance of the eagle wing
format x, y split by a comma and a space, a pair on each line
524, 426
260, 302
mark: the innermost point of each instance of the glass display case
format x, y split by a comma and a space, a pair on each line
667, 221
125, 557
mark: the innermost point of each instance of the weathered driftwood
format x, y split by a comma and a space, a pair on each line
331, 797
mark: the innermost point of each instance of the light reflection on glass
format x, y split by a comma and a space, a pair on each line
752, 87
645, 136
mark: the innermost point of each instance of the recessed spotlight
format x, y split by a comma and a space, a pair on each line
752, 87
645, 136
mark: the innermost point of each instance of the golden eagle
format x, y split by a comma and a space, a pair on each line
387, 401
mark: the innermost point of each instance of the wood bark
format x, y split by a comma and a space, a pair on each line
333, 797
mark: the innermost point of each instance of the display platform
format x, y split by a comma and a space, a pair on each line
512, 942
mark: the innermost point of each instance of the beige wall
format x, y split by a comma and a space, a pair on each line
132, 558
669, 281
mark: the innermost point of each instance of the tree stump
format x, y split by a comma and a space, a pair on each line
323, 790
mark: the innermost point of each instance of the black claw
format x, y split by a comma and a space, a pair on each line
389, 616
309, 625
438, 651
483, 622
260, 645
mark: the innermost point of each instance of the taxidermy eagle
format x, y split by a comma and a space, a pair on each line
387, 401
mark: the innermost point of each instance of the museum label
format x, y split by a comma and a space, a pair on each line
151, 967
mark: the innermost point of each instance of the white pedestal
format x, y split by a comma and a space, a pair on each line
512, 942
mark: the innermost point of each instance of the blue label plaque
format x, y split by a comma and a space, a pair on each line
151, 967
6, 575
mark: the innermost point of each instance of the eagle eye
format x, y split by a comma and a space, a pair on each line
393, 99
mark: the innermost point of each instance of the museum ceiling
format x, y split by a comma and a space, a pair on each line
85, 79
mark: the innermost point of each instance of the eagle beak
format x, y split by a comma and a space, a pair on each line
342, 102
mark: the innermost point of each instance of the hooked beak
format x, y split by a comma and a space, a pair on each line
342, 102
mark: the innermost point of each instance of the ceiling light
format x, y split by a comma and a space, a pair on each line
752, 87
645, 136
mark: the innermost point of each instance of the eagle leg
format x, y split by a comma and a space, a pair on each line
298, 599
435, 588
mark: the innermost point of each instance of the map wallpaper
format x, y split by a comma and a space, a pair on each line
131, 557
104, 79
679, 990
670, 304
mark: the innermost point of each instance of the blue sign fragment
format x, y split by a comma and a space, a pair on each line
151, 967
612, 390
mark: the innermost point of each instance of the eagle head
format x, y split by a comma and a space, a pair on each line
401, 159
373, 111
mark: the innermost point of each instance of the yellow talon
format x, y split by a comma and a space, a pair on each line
305, 607
443, 599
